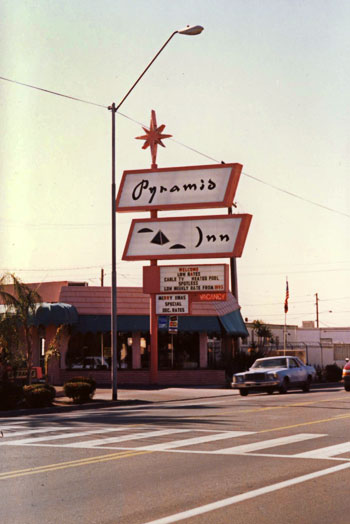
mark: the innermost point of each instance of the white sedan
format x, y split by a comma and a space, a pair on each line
274, 373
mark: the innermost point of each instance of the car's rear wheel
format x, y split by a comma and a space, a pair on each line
243, 392
347, 387
284, 386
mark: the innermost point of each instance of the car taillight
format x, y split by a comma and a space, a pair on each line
346, 372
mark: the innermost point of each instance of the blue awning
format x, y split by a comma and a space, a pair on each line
102, 323
197, 323
233, 324
57, 314
129, 323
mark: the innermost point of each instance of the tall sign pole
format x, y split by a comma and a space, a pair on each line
188, 30
114, 331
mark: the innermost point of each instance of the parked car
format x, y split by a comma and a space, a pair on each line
90, 363
346, 375
275, 373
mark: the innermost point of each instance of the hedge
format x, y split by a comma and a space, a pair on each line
80, 392
88, 380
39, 395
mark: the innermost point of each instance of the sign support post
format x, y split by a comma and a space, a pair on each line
153, 320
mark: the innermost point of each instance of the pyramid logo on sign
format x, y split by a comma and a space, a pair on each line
159, 239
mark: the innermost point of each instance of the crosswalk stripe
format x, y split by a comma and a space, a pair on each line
25, 441
196, 440
25, 431
135, 436
327, 452
271, 443
46, 436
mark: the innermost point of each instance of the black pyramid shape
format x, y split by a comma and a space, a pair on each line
159, 239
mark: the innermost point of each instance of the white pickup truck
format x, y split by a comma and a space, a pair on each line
274, 373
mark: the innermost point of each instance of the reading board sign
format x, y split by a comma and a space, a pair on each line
172, 304
196, 278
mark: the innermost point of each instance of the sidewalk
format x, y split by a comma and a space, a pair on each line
150, 394
125, 397
137, 396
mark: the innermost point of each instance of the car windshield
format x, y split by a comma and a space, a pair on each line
270, 363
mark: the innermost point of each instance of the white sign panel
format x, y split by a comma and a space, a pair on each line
193, 278
187, 237
179, 188
172, 304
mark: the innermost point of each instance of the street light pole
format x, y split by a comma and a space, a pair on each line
191, 31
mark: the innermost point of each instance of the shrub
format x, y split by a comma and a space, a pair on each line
80, 392
88, 380
333, 373
39, 395
10, 395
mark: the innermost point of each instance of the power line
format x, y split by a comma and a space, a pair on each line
52, 92
76, 99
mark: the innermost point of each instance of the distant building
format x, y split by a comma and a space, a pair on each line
321, 346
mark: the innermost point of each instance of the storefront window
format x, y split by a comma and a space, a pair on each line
89, 351
124, 351
145, 350
215, 352
178, 351
41, 336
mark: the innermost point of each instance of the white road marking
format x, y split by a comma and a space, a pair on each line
327, 452
130, 436
145, 431
29, 441
248, 495
3, 428
254, 446
195, 440
26, 431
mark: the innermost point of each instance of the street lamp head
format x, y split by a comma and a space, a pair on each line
191, 30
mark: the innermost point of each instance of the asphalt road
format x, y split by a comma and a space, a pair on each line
222, 459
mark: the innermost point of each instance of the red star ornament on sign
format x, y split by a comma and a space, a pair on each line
153, 138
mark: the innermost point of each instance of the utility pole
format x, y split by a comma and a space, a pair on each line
317, 319
234, 290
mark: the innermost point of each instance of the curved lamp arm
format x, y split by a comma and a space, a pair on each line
189, 30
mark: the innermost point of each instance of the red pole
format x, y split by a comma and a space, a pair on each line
154, 341
153, 327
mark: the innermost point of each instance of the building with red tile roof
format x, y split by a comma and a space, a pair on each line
196, 354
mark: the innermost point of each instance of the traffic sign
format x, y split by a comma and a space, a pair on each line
173, 324
215, 236
188, 187
162, 322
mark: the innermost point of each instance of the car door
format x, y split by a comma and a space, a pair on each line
298, 373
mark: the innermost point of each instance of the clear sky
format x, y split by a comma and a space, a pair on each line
266, 85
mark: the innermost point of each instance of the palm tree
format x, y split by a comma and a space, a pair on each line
20, 305
262, 331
